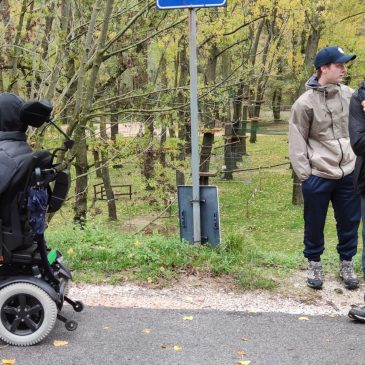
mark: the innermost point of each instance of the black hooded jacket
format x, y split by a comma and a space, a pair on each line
14, 149
357, 136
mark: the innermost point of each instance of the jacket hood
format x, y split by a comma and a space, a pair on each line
328, 89
313, 83
10, 107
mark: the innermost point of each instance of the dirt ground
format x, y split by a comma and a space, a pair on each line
196, 292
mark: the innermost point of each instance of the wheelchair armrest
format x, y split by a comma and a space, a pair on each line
59, 191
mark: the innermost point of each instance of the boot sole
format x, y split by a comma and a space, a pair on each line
356, 318
317, 287
351, 287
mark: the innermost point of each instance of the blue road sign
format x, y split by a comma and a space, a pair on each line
179, 4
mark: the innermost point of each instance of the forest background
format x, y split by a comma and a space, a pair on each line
117, 73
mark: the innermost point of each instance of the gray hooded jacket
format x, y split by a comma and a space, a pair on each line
319, 141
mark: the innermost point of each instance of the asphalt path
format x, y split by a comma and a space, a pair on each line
149, 336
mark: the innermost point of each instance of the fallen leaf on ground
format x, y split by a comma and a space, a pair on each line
245, 339
188, 318
243, 362
240, 352
149, 280
303, 319
105, 328
177, 348
147, 330
59, 343
164, 345
70, 251
8, 361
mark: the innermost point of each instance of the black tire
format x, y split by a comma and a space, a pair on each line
71, 325
27, 314
79, 306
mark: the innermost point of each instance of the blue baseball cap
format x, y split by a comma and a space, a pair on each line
332, 54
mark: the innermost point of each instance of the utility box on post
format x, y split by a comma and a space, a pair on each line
209, 214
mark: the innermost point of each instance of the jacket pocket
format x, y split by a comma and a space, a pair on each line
306, 184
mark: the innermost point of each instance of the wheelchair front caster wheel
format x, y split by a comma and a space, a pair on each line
79, 306
71, 325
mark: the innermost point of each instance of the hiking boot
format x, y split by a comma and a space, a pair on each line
314, 275
357, 313
348, 275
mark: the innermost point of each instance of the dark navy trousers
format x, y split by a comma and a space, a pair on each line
363, 232
317, 194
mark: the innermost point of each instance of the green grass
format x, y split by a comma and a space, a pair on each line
262, 233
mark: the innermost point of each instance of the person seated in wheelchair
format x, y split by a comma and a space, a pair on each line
17, 162
14, 149
33, 278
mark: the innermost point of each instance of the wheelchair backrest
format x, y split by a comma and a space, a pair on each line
21, 169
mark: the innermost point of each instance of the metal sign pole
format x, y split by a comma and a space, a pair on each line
194, 125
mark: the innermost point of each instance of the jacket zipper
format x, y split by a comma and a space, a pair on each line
337, 139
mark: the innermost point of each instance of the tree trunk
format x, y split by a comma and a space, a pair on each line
13, 86
266, 66
96, 157
276, 105
48, 27
239, 126
228, 129
209, 113
5, 19
81, 167
114, 121
311, 47
233, 149
148, 153
297, 197
164, 85
278, 92
183, 131
112, 209
84, 106
66, 8
253, 56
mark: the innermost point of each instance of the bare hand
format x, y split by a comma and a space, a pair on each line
363, 105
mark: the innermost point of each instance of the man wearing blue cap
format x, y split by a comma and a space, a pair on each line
322, 157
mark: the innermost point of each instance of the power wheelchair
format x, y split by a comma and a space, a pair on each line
33, 278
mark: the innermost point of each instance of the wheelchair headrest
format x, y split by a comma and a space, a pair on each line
17, 114
36, 112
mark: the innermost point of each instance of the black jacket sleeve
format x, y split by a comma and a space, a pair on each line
357, 123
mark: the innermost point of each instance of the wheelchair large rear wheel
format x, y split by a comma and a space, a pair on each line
28, 314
